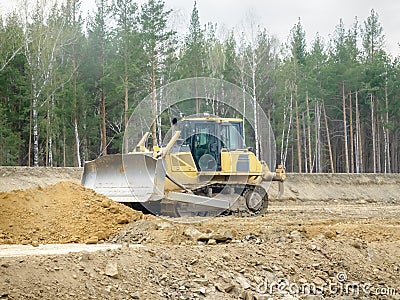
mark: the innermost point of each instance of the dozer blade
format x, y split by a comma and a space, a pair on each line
124, 178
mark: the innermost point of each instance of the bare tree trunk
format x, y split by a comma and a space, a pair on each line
197, 106
77, 156
378, 139
126, 107
305, 143
373, 134
78, 143
298, 131
328, 139
244, 107
356, 140
30, 133
385, 146
292, 159
64, 146
351, 135
359, 137
47, 136
283, 133
103, 123
346, 150
309, 134
388, 167
153, 103
318, 154
159, 127
256, 133
49, 146
35, 128
288, 131
395, 147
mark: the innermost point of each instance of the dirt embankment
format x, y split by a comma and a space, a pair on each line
65, 212
351, 188
16, 178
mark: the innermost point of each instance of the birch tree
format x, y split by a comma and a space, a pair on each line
41, 43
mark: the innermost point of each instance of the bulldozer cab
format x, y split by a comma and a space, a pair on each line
208, 137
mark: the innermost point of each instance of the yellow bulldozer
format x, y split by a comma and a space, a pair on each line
204, 169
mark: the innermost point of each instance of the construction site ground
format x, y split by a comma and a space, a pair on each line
331, 236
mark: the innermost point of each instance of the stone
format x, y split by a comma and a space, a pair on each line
295, 235
111, 270
202, 290
165, 256
204, 237
211, 242
248, 295
92, 240
262, 297
35, 244
258, 279
164, 225
101, 235
226, 256
371, 253
85, 257
90, 288
201, 281
106, 203
302, 281
224, 288
192, 232
123, 219
319, 282
135, 295
295, 252
269, 276
114, 209
227, 235
243, 282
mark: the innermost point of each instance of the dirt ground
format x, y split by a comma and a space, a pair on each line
65, 212
329, 237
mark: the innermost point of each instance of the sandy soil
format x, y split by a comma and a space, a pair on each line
65, 212
330, 237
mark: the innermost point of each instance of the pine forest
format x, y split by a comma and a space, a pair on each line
69, 82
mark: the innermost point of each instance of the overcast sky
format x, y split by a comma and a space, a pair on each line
279, 16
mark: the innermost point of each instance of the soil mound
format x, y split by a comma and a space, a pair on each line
65, 212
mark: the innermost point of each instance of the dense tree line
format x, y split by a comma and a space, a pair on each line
69, 84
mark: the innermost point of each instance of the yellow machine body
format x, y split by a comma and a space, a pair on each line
204, 156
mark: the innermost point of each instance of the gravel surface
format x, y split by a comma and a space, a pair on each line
315, 243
